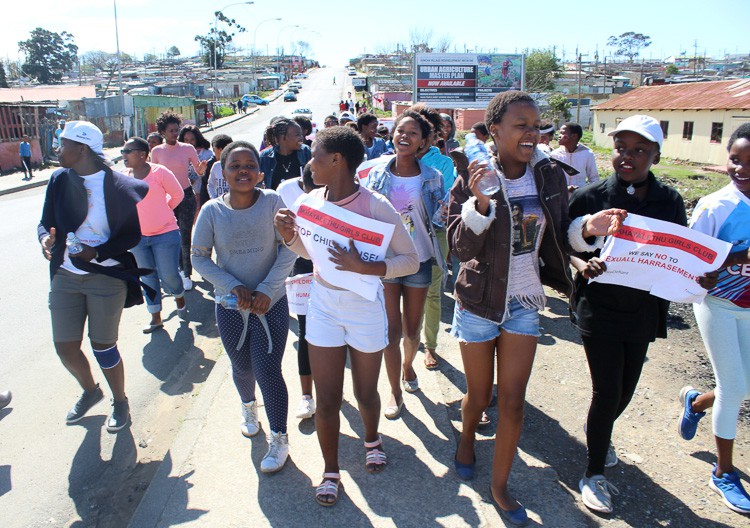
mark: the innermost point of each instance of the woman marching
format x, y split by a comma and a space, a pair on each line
341, 321
97, 206
178, 157
724, 321
159, 248
251, 264
192, 135
287, 156
499, 285
415, 190
617, 323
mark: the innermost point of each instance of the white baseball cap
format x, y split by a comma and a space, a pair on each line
642, 125
86, 133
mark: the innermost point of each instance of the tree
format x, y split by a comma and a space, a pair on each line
150, 57
559, 107
49, 55
3, 80
214, 44
542, 68
671, 69
629, 44
174, 51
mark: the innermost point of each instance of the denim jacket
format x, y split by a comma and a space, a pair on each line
433, 191
268, 162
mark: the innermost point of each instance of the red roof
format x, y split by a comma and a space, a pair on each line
65, 92
714, 95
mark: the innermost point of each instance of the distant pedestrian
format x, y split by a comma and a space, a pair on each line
91, 286
577, 155
154, 139
240, 107
346, 106
251, 263
342, 106
356, 107
179, 157
334, 81
343, 323
210, 118
58, 131
24, 150
159, 248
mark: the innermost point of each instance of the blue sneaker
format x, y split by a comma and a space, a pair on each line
729, 486
465, 471
687, 424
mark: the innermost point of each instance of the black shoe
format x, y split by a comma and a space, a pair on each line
120, 416
87, 400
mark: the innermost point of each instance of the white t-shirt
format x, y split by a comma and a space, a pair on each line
217, 185
94, 230
406, 197
528, 220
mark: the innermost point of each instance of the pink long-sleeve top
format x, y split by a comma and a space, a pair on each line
176, 158
155, 211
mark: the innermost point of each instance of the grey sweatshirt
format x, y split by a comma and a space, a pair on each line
249, 251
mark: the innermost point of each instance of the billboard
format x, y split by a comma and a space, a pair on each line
465, 80
359, 82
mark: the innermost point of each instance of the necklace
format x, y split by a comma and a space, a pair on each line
631, 187
286, 167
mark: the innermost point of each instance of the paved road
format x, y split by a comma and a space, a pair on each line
55, 475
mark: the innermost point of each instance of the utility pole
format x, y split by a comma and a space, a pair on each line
642, 63
578, 105
695, 57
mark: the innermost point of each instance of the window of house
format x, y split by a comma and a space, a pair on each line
687, 130
601, 127
717, 129
664, 128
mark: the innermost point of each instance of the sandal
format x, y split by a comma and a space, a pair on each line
431, 362
393, 411
151, 328
329, 488
375, 460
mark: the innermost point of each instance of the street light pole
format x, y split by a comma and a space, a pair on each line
119, 73
216, 39
278, 47
255, 34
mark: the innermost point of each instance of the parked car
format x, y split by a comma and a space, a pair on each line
290, 97
255, 99
302, 75
302, 111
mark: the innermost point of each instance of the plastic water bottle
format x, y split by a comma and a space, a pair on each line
74, 244
475, 150
228, 301
437, 218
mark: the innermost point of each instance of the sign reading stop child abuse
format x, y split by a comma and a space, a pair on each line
662, 258
321, 223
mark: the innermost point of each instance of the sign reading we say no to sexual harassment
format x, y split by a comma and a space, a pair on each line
662, 258
321, 223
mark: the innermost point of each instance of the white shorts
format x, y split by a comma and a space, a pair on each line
339, 317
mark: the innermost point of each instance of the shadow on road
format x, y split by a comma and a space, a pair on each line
5, 482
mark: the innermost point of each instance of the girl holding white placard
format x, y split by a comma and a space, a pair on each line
341, 321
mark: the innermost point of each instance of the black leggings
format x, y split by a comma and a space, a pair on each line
615, 369
301, 266
185, 214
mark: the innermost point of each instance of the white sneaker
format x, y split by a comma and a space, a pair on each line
306, 408
250, 426
186, 282
596, 492
278, 452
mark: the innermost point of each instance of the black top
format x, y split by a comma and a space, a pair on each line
286, 167
618, 312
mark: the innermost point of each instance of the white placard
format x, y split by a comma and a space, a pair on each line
298, 292
662, 258
320, 223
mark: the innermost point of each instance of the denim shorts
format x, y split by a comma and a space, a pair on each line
421, 279
470, 328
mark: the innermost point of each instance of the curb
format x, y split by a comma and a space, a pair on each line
24, 187
161, 488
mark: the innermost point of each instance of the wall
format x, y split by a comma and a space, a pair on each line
9, 157
698, 150
466, 117
384, 100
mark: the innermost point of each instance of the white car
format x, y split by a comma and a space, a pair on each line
302, 111
296, 84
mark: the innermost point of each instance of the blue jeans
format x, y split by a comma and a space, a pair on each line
470, 328
160, 253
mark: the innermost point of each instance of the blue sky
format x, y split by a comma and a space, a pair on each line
337, 30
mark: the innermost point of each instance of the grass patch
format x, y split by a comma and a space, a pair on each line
380, 113
224, 111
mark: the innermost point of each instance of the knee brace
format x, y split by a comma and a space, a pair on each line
108, 358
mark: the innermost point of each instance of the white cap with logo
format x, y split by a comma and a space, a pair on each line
85, 133
642, 125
